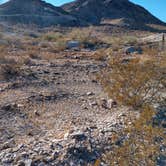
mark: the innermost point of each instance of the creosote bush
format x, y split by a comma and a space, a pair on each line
52, 36
142, 144
10, 71
132, 82
137, 84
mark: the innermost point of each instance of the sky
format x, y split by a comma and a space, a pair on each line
156, 7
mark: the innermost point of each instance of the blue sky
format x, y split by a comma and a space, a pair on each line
156, 7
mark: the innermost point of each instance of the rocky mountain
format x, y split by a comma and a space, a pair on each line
120, 12
34, 12
79, 12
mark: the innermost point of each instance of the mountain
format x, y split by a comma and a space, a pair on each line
35, 12
120, 12
77, 13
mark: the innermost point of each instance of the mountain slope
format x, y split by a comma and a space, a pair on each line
34, 12
121, 12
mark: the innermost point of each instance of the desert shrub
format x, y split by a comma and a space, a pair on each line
133, 83
9, 67
34, 54
119, 41
10, 71
142, 142
136, 84
58, 40
152, 51
31, 34
80, 34
102, 54
130, 40
84, 36
99, 55
60, 45
52, 36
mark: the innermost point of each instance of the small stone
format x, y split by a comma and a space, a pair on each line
111, 103
52, 146
55, 155
21, 163
28, 162
94, 81
41, 164
73, 44
20, 105
121, 114
108, 104
90, 93
66, 135
94, 103
130, 123
24, 154
79, 136
36, 113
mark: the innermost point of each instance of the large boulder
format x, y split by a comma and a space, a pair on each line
73, 44
133, 50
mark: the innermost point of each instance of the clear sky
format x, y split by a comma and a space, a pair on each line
156, 7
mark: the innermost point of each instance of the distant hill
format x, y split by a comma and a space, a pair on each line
77, 13
35, 12
119, 12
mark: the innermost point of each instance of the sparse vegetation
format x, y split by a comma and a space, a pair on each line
132, 82
10, 71
51, 87
142, 142
137, 84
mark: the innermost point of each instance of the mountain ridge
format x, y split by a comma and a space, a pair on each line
35, 12
76, 13
100, 11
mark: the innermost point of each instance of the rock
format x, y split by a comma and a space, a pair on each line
55, 155
66, 135
84, 106
94, 81
24, 154
79, 136
132, 50
20, 105
21, 163
160, 117
41, 164
59, 146
90, 93
8, 158
28, 162
94, 103
111, 103
7, 145
73, 44
129, 123
161, 160
108, 104
76, 57
122, 115
36, 113
10, 107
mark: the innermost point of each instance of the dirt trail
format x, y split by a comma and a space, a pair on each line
55, 100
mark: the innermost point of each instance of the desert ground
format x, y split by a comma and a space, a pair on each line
54, 109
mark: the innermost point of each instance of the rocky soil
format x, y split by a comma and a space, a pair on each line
56, 113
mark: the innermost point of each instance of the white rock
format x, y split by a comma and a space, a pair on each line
90, 93
66, 135
108, 104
